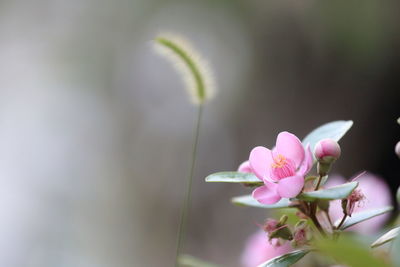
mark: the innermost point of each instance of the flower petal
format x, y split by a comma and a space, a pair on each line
291, 186
260, 161
266, 194
307, 163
290, 146
245, 167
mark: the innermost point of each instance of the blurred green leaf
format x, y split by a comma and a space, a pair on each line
363, 216
286, 259
346, 250
395, 251
398, 195
234, 177
389, 236
249, 201
334, 130
190, 261
335, 192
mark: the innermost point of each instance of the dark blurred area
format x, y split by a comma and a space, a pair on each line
96, 129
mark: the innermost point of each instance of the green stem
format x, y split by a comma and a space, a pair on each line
187, 199
342, 221
319, 182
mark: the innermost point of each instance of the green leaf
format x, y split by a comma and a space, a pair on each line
285, 260
363, 216
249, 201
389, 236
334, 130
234, 177
346, 250
190, 261
395, 251
335, 192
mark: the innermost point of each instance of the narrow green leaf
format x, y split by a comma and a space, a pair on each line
334, 130
249, 201
234, 177
190, 261
335, 192
286, 259
347, 251
389, 236
363, 216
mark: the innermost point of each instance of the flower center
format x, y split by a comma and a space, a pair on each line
282, 167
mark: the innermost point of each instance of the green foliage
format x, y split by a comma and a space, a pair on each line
398, 195
190, 261
363, 216
249, 201
395, 251
285, 260
387, 237
346, 250
335, 192
234, 177
334, 130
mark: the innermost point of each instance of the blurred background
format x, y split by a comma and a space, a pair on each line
96, 129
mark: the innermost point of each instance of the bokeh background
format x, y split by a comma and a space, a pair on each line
96, 129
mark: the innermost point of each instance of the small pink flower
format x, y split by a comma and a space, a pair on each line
327, 148
372, 192
282, 169
258, 249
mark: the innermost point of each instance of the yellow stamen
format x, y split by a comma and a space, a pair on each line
279, 161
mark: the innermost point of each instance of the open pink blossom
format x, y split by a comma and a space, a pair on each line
376, 195
282, 169
259, 249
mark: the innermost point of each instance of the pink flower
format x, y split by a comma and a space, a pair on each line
282, 169
258, 249
376, 194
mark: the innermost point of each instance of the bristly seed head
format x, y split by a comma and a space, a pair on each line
194, 69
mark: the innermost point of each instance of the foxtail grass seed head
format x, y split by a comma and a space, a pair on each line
194, 69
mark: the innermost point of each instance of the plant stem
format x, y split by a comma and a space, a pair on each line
342, 221
187, 199
318, 225
319, 182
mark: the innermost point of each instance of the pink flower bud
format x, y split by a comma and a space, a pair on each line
397, 149
327, 149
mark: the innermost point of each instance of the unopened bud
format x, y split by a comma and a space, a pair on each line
301, 235
278, 229
326, 151
397, 149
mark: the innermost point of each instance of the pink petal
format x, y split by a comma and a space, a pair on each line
290, 146
259, 249
245, 167
291, 186
266, 194
307, 163
260, 161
